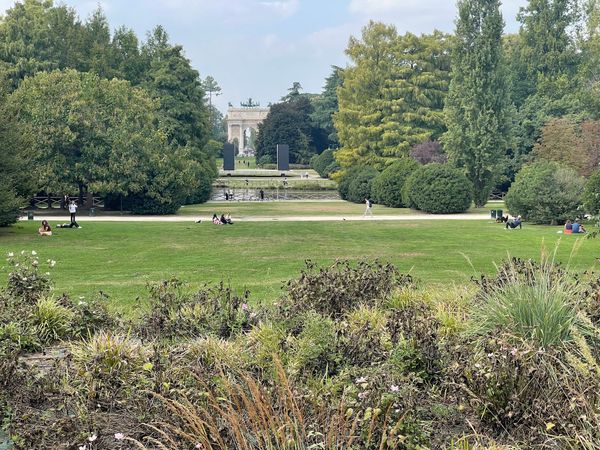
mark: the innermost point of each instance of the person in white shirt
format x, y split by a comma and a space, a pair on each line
368, 209
72, 210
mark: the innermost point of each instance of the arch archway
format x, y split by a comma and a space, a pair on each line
241, 119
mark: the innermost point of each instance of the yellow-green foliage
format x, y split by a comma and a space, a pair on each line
109, 365
314, 348
265, 341
51, 320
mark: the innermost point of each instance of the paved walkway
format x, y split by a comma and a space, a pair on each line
180, 218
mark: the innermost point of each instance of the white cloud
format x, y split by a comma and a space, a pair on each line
284, 8
332, 40
368, 7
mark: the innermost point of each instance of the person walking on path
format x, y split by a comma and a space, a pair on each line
262, 195
369, 207
73, 210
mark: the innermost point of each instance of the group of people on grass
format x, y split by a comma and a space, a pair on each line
574, 227
46, 230
223, 220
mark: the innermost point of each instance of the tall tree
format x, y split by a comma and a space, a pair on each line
326, 105
477, 109
171, 79
589, 72
16, 172
392, 96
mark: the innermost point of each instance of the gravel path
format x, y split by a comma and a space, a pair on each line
176, 218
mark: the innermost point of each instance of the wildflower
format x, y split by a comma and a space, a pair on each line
361, 380
33, 253
93, 437
363, 395
34, 263
253, 315
244, 307
83, 447
198, 445
119, 436
11, 254
394, 388
514, 352
52, 263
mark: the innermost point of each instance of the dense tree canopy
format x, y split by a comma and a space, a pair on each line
392, 96
143, 132
477, 108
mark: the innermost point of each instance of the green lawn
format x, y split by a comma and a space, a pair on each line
120, 258
286, 209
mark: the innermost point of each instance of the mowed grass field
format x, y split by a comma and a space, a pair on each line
120, 258
305, 208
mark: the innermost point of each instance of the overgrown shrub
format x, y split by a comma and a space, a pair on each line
387, 187
438, 189
174, 312
545, 192
335, 290
109, 367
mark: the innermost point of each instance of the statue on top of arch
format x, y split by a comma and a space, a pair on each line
250, 103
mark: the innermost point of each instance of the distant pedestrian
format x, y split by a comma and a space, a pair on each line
368, 207
262, 195
72, 210
226, 195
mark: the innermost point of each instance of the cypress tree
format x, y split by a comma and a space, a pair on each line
477, 109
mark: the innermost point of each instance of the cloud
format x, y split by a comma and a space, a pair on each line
332, 40
285, 8
368, 7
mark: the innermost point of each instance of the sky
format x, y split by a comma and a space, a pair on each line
258, 48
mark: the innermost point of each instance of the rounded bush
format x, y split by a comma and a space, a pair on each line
591, 195
348, 178
545, 192
438, 189
360, 186
324, 162
387, 187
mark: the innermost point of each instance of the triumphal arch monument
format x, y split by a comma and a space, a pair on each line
241, 119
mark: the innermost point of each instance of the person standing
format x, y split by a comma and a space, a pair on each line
262, 195
73, 210
369, 207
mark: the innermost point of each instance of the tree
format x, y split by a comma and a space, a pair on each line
170, 78
391, 98
545, 192
286, 123
559, 142
326, 105
101, 136
589, 72
293, 92
17, 175
477, 109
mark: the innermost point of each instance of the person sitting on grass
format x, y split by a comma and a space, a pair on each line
514, 223
569, 227
577, 227
73, 224
45, 229
228, 219
215, 220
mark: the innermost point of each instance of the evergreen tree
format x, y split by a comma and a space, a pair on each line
326, 105
392, 97
170, 78
477, 109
